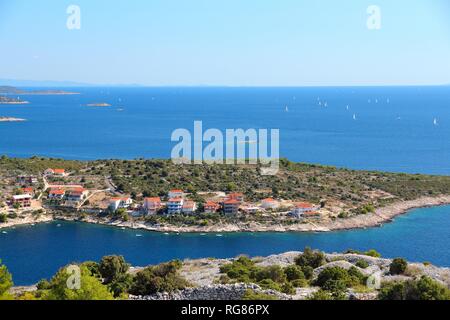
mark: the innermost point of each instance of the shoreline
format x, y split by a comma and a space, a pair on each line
381, 216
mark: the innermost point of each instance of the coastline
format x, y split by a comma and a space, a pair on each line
381, 216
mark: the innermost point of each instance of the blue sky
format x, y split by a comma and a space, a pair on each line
232, 42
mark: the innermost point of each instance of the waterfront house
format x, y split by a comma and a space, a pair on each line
176, 193
23, 200
55, 172
303, 209
175, 205
269, 203
211, 207
152, 205
189, 207
56, 194
231, 206
250, 209
120, 203
77, 195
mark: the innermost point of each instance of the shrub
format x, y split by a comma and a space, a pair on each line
308, 272
3, 218
5, 280
294, 272
160, 278
362, 264
423, 289
299, 283
274, 273
338, 279
310, 258
398, 266
269, 284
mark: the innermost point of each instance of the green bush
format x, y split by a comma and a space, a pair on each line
338, 279
310, 258
362, 264
398, 266
160, 278
423, 289
294, 272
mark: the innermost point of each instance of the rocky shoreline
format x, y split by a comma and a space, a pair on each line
381, 216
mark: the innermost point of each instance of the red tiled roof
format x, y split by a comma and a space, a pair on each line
175, 200
176, 191
304, 205
57, 191
59, 170
268, 200
211, 204
189, 204
154, 199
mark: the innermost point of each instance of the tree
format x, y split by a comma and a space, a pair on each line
398, 266
310, 258
90, 287
294, 272
5, 281
112, 267
3, 218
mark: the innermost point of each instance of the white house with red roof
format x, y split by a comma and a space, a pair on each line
211, 207
77, 195
152, 205
120, 203
56, 194
302, 209
269, 203
23, 200
231, 206
175, 193
189, 207
55, 172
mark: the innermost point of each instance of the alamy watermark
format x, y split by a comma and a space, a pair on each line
74, 17
374, 19
241, 146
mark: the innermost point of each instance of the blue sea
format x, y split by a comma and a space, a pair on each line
35, 252
403, 129
400, 129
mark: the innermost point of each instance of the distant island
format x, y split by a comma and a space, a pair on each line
102, 104
8, 90
9, 119
7, 100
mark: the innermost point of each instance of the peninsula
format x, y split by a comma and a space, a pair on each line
8, 90
161, 196
8, 100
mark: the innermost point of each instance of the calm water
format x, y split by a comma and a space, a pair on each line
34, 252
393, 131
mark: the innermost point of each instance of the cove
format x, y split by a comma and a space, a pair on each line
35, 252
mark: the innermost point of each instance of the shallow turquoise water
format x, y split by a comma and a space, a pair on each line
35, 252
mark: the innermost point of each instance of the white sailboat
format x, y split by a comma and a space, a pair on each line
347, 107
354, 116
287, 109
435, 122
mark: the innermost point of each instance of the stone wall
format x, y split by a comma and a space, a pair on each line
212, 292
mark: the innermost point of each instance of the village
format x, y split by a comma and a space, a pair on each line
58, 190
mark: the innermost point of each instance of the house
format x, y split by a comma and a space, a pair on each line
303, 209
24, 200
251, 209
77, 195
56, 194
236, 196
189, 207
27, 180
231, 206
175, 205
269, 203
176, 193
28, 190
211, 207
152, 205
120, 203
55, 172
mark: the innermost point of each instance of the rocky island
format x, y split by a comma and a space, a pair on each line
8, 100
10, 119
8, 90
101, 104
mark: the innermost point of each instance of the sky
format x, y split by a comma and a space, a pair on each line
227, 42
